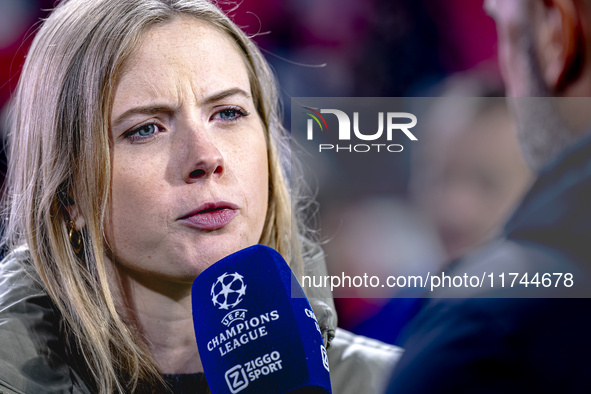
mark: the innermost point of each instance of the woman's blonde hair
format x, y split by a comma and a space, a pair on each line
59, 155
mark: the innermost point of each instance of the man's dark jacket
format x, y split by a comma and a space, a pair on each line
492, 342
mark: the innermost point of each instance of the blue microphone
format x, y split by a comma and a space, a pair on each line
255, 329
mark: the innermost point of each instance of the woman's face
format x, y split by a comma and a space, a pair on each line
189, 159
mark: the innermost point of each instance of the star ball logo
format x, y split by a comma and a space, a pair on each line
344, 132
228, 290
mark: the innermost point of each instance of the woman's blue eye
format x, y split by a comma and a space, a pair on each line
146, 130
231, 114
143, 133
228, 114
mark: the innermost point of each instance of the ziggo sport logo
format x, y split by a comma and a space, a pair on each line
345, 130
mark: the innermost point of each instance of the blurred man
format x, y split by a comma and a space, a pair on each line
490, 343
468, 173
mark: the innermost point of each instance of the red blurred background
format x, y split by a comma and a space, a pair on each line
370, 47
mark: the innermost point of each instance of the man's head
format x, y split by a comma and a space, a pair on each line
544, 48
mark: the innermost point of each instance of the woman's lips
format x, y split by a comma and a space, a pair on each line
211, 216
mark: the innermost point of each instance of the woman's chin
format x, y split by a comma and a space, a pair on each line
209, 258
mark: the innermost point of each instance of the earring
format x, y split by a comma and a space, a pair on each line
75, 237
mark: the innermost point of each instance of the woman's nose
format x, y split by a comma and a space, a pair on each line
205, 159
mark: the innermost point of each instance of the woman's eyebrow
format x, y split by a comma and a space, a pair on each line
225, 93
143, 110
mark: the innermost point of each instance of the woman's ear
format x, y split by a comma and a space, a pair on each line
559, 43
75, 216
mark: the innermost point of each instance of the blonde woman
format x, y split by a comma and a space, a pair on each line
145, 146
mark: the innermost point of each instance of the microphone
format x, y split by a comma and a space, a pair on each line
255, 329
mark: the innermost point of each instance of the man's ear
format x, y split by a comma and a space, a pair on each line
74, 214
560, 42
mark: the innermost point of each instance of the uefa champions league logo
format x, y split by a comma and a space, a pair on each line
228, 290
